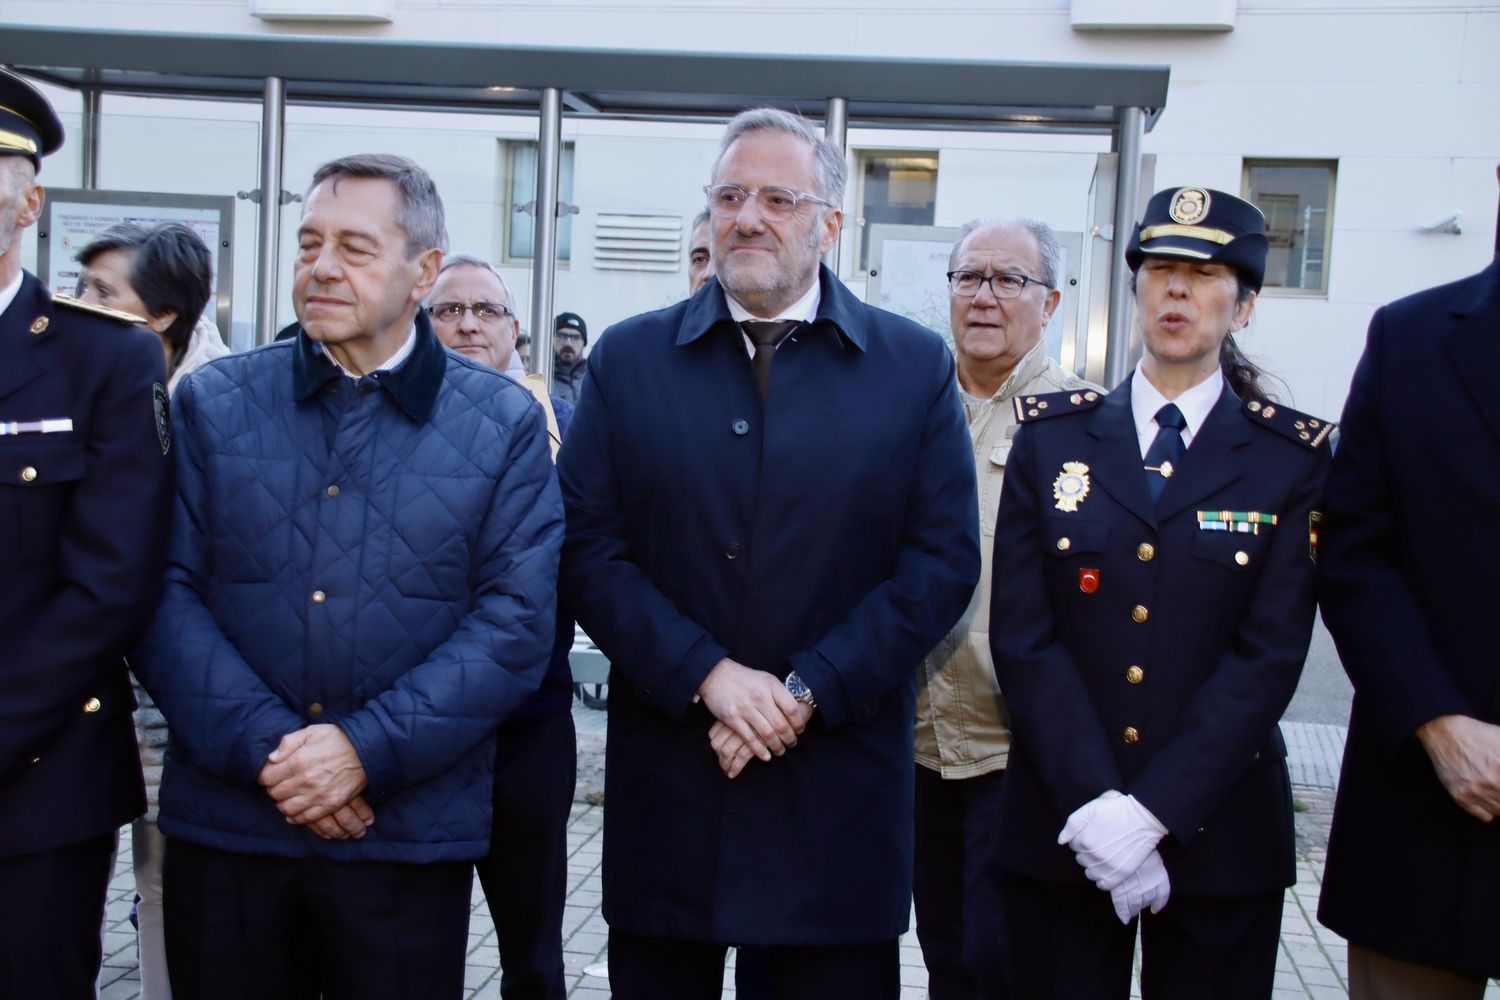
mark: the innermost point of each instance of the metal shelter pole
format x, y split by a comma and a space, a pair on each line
1127, 195
544, 231
268, 237
90, 151
836, 131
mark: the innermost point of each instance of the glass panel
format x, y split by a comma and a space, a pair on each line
1296, 199
895, 187
522, 180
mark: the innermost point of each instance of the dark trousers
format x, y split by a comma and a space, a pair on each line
1071, 945
247, 927
525, 876
50, 918
645, 968
959, 887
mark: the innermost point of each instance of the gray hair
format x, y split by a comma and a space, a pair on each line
469, 260
699, 220
1046, 242
419, 210
832, 171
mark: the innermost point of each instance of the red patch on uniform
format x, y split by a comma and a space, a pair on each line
1088, 580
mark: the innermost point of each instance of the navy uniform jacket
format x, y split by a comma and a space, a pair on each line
1139, 651
835, 533
83, 523
1408, 590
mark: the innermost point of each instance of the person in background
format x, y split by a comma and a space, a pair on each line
1413, 876
700, 253
525, 873
1002, 291
570, 336
164, 274
85, 501
523, 350
1153, 600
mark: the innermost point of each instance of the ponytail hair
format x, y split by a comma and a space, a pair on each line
1245, 377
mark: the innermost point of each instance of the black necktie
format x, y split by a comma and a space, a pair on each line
1165, 453
765, 335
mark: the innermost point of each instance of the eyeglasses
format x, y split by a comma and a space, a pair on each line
484, 312
776, 203
567, 335
1003, 284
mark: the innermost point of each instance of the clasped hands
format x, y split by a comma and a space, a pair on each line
754, 715
315, 777
1114, 838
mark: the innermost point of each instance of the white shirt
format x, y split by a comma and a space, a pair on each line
1195, 404
390, 364
9, 292
804, 310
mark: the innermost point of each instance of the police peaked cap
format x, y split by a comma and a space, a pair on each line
28, 125
1194, 223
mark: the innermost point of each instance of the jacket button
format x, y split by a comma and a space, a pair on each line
333, 491
732, 550
1242, 557
1139, 613
740, 427
1135, 674
1063, 544
1131, 734
28, 474
36, 760
318, 597
92, 705
315, 709
1145, 552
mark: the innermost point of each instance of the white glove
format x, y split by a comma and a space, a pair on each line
1110, 837
1149, 886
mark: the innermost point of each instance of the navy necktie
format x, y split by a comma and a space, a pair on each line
765, 335
1166, 452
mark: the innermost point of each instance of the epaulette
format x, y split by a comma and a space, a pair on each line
82, 306
1289, 423
1032, 408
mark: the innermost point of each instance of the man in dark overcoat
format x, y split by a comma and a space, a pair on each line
1409, 556
85, 494
769, 524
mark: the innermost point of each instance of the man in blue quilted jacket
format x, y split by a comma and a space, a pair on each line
360, 586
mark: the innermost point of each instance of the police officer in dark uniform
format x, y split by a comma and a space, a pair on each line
1152, 606
85, 489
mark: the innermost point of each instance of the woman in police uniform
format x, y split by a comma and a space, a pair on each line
1152, 605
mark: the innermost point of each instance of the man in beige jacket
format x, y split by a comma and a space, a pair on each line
1002, 291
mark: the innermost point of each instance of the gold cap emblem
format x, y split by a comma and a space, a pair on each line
1189, 206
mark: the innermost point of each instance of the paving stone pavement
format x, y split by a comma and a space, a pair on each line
1310, 966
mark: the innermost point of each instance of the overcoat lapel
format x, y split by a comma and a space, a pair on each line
19, 368
1116, 462
1474, 343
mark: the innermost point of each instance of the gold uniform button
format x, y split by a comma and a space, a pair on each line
1131, 734
333, 491
1243, 558
1063, 544
319, 597
1135, 675
1145, 552
1139, 613
92, 705
28, 474
36, 760
315, 709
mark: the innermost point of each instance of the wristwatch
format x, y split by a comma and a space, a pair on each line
798, 689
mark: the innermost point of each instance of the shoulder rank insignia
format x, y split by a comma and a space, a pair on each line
1289, 423
81, 306
1032, 408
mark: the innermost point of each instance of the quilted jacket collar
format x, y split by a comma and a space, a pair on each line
413, 385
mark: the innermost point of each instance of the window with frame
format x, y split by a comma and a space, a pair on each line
895, 187
520, 220
1296, 197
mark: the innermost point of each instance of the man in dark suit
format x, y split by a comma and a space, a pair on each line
769, 524
1409, 555
84, 499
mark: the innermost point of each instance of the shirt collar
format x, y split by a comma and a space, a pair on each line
412, 375
804, 310
9, 292
834, 305
1196, 404
390, 364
